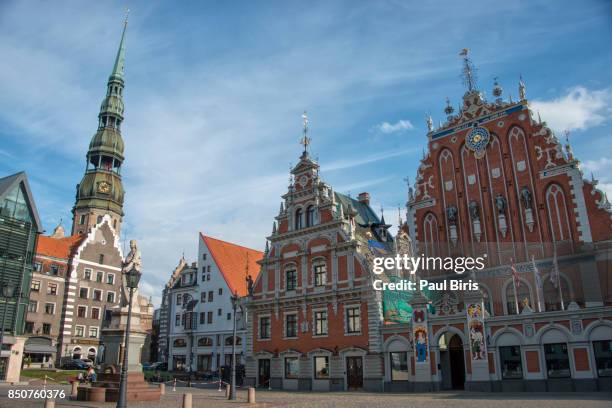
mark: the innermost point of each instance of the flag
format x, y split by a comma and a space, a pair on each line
554, 273
515, 275
536, 273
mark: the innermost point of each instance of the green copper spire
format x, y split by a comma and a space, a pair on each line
100, 192
120, 59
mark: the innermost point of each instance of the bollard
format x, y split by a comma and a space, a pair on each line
162, 389
49, 403
251, 395
228, 391
75, 389
174, 385
187, 400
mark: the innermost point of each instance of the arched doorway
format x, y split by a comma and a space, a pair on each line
452, 363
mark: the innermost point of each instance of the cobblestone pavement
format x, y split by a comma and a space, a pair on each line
213, 398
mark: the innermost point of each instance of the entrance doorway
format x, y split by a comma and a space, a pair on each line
263, 377
452, 363
354, 373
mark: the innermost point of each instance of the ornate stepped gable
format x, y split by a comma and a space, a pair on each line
493, 173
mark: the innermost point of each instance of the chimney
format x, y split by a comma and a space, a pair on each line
364, 198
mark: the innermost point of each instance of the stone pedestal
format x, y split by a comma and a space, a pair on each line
106, 388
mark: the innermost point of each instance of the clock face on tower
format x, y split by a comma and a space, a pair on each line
477, 141
303, 180
104, 187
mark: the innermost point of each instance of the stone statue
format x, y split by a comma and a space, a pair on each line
526, 197
500, 203
521, 89
474, 210
451, 213
132, 261
249, 281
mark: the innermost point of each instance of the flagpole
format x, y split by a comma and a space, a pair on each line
516, 304
538, 282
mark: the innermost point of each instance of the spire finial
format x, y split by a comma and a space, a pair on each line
497, 90
448, 109
120, 59
305, 141
521, 89
469, 72
429, 123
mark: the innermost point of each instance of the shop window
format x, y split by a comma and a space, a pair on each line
557, 360
399, 366
292, 367
510, 360
321, 367
603, 357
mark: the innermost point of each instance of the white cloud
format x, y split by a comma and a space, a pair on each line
602, 171
399, 126
579, 109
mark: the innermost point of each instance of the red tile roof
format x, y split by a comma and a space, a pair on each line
58, 247
231, 260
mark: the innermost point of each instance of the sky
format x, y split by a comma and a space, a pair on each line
215, 92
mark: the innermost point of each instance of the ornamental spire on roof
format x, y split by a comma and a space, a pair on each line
469, 72
120, 59
305, 140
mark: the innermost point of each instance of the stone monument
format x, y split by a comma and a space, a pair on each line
106, 388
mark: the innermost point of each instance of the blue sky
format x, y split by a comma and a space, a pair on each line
215, 92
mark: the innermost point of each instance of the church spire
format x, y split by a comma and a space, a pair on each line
100, 191
120, 59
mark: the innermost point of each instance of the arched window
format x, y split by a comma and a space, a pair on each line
310, 216
553, 295
76, 353
228, 341
557, 213
205, 342
430, 234
523, 293
298, 219
180, 343
91, 353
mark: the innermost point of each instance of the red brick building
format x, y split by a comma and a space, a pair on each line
495, 180
312, 308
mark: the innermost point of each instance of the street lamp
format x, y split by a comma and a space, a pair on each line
235, 300
8, 291
131, 280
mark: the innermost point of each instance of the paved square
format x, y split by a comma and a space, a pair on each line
213, 398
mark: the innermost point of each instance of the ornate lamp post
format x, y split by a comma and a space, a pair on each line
132, 277
8, 291
232, 396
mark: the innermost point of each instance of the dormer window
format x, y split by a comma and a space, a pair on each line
310, 216
298, 219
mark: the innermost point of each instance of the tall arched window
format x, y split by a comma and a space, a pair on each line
310, 216
430, 234
523, 293
298, 219
557, 213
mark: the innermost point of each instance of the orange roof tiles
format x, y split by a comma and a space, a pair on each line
231, 260
58, 247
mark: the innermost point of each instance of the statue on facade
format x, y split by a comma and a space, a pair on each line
500, 203
249, 281
474, 210
526, 197
451, 213
132, 261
